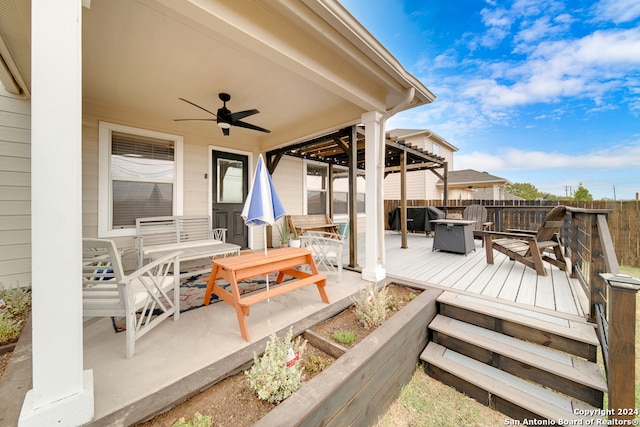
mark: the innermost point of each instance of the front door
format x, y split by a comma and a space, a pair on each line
230, 186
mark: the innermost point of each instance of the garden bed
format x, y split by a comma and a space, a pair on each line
231, 402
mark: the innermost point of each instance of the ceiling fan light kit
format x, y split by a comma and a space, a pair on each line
225, 118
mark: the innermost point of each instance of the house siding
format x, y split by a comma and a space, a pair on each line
15, 190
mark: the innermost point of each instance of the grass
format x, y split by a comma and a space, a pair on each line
427, 402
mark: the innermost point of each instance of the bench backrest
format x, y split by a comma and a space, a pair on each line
173, 229
299, 223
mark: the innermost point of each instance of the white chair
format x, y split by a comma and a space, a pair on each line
219, 234
140, 297
326, 249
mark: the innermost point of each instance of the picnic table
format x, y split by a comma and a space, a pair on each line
242, 267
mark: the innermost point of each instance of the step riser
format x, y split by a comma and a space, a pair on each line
479, 394
517, 330
522, 370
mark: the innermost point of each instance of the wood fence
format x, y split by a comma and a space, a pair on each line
623, 219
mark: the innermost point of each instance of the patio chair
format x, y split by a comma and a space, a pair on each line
531, 247
326, 249
140, 297
477, 213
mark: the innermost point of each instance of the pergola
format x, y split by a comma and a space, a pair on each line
346, 148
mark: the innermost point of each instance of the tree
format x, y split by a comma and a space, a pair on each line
582, 194
524, 190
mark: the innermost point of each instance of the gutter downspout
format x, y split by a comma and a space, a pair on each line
381, 165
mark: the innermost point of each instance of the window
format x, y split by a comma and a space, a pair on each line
316, 189
341, 191
140, 176
436, 149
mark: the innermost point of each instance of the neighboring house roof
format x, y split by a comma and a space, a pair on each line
472, 178
399, 134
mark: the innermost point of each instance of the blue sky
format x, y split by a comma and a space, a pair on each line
538, 91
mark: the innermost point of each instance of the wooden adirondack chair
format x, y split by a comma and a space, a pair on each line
140, 297
477, 213
531, 247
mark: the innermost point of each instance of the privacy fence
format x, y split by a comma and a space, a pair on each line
623, 218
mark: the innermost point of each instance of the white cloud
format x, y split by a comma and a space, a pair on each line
618, 11
511, 159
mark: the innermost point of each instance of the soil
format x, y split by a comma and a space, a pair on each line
231, 403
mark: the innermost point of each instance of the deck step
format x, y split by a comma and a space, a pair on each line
560, 371
573, 336
504, 392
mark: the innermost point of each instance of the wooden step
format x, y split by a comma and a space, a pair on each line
562, 372
500, 390
569, 335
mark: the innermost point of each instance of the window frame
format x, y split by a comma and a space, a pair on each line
105, 196
308, 163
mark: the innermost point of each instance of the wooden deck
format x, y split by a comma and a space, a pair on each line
503, 280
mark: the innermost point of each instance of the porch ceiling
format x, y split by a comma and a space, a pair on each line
308, 67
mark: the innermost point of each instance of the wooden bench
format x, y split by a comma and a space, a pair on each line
318, 222
237, 269
191, 235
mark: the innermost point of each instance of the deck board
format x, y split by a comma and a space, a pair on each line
505, 279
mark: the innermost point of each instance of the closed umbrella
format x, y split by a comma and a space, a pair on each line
263, 206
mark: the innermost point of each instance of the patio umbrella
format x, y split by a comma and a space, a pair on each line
263, 206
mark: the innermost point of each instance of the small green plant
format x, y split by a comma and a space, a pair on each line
9, 327
198, 420
316, 363
16, 300
277, 374
344, 337
371, 306
284, 234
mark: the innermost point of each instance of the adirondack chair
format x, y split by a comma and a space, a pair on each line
477, 213
140, 297
531, 247
326, 249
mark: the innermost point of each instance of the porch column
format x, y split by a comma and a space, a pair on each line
62, 393
374, 170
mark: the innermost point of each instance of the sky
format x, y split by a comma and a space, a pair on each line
545, 92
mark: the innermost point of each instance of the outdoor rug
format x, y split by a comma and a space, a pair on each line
192, 292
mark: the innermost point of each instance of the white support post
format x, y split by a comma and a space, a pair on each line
374, 170
62, 392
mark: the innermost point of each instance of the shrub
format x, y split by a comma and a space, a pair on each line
344, 337
276, 375
371, 306
198, 420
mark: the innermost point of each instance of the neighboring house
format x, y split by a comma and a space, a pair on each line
102, 85
421, 185
469, 184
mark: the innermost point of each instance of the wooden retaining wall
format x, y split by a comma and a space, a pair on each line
624, 219
360, 386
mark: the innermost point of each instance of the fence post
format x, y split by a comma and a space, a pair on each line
622, 331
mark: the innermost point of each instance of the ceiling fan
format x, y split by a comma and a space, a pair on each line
225, 118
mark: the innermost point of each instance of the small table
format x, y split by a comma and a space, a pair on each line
242, 267
453, 235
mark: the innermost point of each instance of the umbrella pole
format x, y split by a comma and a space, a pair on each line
265, 254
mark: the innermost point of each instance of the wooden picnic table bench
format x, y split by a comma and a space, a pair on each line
239, 268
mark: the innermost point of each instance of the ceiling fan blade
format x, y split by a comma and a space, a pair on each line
186, 120
249, 126
242, 114
197, 106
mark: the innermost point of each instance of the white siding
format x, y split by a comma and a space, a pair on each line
15, 190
